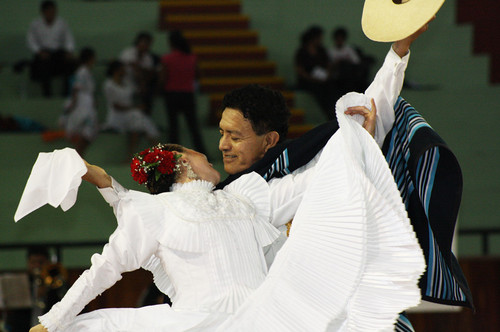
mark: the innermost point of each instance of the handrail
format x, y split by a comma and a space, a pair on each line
484, 233
56, 245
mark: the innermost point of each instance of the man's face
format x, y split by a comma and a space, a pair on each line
36, 262
239, 144
144, 45
49, 14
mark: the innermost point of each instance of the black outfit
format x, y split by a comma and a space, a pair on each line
323, 92
183, 102
57, 64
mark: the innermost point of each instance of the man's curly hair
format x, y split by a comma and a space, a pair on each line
266, 109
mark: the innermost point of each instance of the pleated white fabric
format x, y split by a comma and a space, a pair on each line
352, 261
54, 179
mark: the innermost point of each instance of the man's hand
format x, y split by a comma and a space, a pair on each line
401, 47
370, 116
39, 328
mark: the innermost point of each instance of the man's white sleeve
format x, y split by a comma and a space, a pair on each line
385, 89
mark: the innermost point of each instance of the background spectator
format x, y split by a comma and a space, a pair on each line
313, 68
80, 117
52, 44
123, 115
341, 52
350, 70
43, 295
178, 76
140, 66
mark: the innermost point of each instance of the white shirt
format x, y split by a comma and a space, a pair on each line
385, 90
129, 57
346, 53
85, 86
51, 37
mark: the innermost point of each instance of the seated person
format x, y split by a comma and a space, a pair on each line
313, 69
123, 115
52, 44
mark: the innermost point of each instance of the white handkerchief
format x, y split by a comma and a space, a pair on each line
54, 179
353, 99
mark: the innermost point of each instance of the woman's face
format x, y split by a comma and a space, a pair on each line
201, 166
120, 73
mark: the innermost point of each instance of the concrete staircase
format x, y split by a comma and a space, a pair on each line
228, 52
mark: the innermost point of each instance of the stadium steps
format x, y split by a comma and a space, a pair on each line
237, 68
211, 85
228, 51
250, 52
189, 7
204, 21
224, 37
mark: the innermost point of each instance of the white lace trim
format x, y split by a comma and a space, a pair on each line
180, 219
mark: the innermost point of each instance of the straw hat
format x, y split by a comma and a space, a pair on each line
392, 20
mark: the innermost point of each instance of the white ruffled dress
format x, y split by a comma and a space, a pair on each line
203, 246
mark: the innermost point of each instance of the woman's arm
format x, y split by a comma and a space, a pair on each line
97, 176
129, 247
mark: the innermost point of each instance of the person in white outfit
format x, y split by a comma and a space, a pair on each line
80, 115
50, 40
124, 116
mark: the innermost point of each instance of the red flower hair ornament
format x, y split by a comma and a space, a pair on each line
155, 160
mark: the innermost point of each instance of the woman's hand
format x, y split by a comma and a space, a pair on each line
370, 116
97, 176
39, 328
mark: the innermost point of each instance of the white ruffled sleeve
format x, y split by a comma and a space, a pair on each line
287, 193
113, 194
385, 89
129, 247
253, 189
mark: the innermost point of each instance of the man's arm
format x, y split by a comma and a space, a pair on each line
387, 84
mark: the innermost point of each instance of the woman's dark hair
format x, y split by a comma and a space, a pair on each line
113, 67
178, 42
86, 54
265, 108
310, 34
47, 4
165, 181
340, 32
143, 35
